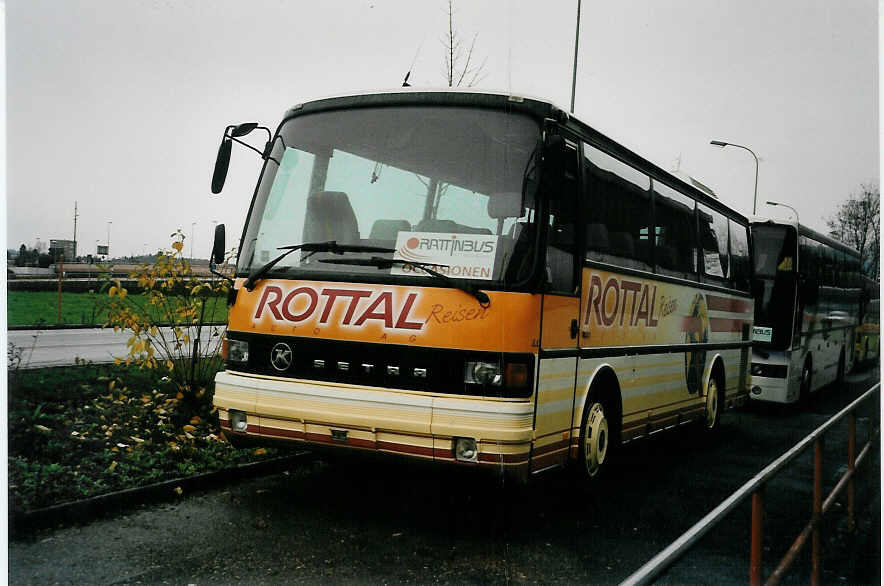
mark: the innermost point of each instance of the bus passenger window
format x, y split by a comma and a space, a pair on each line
618, 211
741, 263
713, 243
675, 250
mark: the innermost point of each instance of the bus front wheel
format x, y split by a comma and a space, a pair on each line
839, 378
804, 389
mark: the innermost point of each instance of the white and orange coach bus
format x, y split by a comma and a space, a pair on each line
476, 279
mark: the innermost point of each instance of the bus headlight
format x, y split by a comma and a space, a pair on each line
237, 351
483, 373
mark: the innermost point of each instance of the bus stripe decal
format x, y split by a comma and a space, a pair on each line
728, 304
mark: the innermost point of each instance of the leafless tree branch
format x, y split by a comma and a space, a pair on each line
456, 62
857, 223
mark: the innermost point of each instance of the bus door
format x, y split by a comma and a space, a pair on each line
558, 355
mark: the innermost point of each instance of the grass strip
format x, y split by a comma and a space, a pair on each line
36, 308
77, 432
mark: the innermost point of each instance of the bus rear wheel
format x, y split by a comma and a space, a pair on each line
714, 405
595, 440
599, 437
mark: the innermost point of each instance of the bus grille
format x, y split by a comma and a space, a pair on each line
435, 370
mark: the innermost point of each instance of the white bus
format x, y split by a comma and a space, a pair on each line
808, 291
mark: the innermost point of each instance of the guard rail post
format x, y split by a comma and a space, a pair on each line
851, 469
816, 519
757, 549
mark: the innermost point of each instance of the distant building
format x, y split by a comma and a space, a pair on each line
67, 247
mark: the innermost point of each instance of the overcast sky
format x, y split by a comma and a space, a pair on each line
120, 104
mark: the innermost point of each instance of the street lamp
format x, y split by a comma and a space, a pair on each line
722, 144
108, 236
785, 205
192, 225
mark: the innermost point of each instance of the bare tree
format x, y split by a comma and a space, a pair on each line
459, 64
857, 223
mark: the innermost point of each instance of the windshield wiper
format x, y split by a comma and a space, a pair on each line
312, 247
386, 263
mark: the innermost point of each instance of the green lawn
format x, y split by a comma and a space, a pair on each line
26, 308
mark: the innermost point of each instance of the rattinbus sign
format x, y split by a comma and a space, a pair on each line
463, 256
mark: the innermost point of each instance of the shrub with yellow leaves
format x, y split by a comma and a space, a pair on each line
173, 325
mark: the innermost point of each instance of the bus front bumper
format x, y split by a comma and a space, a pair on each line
370, 419
772, 390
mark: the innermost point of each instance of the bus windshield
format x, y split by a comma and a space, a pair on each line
451, 188
775, 249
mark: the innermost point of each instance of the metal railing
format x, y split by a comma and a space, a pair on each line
755, 489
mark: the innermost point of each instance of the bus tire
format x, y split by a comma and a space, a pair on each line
599, 433
804, 388
715, 404
839, 377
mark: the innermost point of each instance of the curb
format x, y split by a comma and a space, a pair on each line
110, 504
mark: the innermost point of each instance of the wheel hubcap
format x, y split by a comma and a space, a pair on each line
711, 404
596, 439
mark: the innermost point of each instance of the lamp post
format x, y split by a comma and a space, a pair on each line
192, 225
722, 144
785, 205
108, 237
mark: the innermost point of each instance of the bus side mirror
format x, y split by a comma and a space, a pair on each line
222, 162
219, 246
553, 165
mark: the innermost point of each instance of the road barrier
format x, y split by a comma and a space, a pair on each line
755, 489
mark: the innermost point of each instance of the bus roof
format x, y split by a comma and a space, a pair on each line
537, 107
806, 231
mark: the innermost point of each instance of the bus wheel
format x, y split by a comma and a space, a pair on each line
595, 439
599, 437
804, 389
714, 405
839, 378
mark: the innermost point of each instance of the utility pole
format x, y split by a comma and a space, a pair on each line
60, 268
75, 230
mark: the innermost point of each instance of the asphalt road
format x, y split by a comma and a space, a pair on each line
358, 522
62, 347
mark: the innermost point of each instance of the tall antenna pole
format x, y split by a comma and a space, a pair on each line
576, 45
